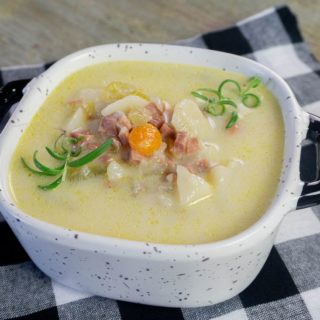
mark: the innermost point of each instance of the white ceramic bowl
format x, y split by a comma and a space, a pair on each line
157, 274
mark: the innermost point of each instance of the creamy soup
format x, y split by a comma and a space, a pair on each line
168, 162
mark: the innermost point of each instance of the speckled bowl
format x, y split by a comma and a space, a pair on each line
157, 274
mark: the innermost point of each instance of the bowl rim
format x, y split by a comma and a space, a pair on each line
270, 216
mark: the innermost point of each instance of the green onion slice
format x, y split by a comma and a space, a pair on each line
200, 96
233, 120
228, 102
223, 83
252, 83
251, 100
209, 90
91, 155
217, 106
52, 185
217, 109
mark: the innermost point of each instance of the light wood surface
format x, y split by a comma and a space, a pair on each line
34, 31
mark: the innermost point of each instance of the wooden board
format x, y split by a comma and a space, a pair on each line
33, 31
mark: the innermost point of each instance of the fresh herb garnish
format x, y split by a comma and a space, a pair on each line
233, 120
52, 185
64, 149
91, 155
217, 102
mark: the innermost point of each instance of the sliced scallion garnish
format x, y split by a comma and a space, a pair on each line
223, 83
233, 120
252, 83
216, 109
229, 103
217, 104
200, 96
251, 100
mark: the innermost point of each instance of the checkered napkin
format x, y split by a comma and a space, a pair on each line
288, 286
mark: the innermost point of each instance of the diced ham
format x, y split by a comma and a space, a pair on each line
123, 121
156, 115
167, 113
192, 146
116, 124
92, 145
171, 165
116, 144
124, 136
199, 166
125, 153
93, 125
105, 158
108, 126
180, 143
135, 157
79, 133
185, 145
158, 102
88, 140
167, 132
123, 125
203, 165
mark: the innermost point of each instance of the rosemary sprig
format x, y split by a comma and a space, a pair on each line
70, 149
216, 101
40, 173
56, 155
91, 155
52, 185
43, 168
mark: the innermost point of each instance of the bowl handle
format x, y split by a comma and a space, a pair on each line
10, 94
310, 166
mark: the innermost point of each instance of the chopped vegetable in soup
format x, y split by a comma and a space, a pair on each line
135, 150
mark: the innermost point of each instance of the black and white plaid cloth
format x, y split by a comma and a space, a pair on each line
288, 286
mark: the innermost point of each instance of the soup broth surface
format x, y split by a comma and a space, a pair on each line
248, 158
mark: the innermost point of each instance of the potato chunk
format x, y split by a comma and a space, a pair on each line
188, 117
78, 120
191, 188
125, 105
221, 175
